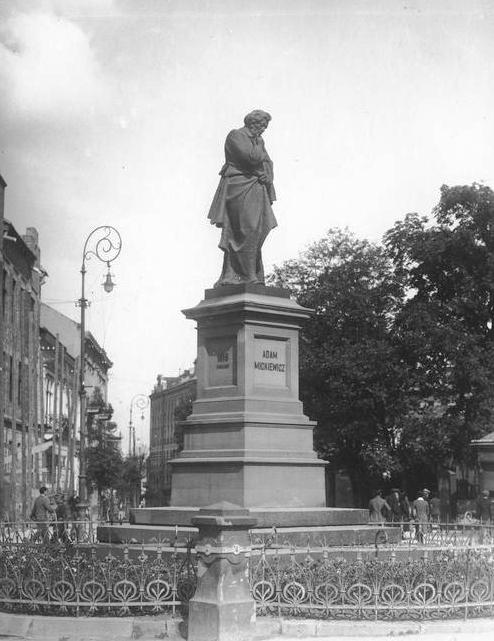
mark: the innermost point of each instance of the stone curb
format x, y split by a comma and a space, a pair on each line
54, 628
272, 629
151, 628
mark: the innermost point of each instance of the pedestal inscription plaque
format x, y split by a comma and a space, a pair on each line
270, 362
222, 361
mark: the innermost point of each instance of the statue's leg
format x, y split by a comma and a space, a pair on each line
228, 273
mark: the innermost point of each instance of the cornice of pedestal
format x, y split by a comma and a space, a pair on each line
249, 302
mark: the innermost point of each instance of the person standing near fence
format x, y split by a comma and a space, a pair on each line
484, 507
63, 517
435, 505
378, 508
395, 513
42, 513
421, 513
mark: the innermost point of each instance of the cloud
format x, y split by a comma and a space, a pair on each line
48, 71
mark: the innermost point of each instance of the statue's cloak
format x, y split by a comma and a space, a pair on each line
240, 199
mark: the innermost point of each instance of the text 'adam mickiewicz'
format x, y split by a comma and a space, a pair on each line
269, 367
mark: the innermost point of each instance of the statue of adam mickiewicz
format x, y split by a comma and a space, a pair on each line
242, 202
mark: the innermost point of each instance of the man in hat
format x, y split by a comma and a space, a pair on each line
421, 512
42, 513
484, 507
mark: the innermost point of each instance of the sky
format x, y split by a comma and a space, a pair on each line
114, 112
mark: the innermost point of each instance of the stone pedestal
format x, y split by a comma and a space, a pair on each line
247, 441
222, 608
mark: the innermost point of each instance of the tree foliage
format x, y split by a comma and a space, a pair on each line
182, 410
104, 459
446, 323
132, 473
352, 378
397, 363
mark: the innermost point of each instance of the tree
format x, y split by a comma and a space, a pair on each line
182, 410
352, 378
397, 364
132, 473
446, 323
104, 459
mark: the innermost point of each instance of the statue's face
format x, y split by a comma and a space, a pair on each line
258, 127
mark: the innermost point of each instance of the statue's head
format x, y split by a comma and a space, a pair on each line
257, 121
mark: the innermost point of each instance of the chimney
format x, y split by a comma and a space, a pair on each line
31, 238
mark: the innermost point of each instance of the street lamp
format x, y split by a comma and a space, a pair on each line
104, 243
141, 401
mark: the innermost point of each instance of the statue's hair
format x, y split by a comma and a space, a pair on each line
258, 115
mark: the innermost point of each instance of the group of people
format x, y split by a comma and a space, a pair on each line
396, 508
425, 509
45, 514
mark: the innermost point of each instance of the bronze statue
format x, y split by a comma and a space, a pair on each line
242, 203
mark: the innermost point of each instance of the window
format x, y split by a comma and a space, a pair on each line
4, 293
12, 301
11, 374
19, 383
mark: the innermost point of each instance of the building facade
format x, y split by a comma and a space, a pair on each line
60, 353
39, 350
58, 413
97, 363
170, 396
22, 277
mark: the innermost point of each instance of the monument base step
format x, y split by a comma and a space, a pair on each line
313, 537
266, 517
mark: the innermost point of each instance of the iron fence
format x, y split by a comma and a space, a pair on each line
44, 532
448, 573
79, 577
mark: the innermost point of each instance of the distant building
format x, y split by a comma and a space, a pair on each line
22, 277
60, 336
168, 394
69, 333
58, 410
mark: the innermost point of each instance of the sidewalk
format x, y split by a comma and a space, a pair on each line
317, 630
45, 628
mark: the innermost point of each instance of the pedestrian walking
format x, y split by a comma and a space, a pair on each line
42, 512
484, 507
378, 508
395, 511
421, 513
435, 507
63, 517
121, 513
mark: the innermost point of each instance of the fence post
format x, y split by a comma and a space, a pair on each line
222, 608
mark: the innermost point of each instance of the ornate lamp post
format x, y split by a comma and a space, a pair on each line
141, 401
104, 243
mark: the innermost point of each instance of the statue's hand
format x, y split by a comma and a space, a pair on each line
263, 178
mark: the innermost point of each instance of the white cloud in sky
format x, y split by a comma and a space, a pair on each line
116, 112
49, 71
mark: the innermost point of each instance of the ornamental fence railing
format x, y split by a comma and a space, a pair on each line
437, 571
65, 571
408, 534
76, 576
